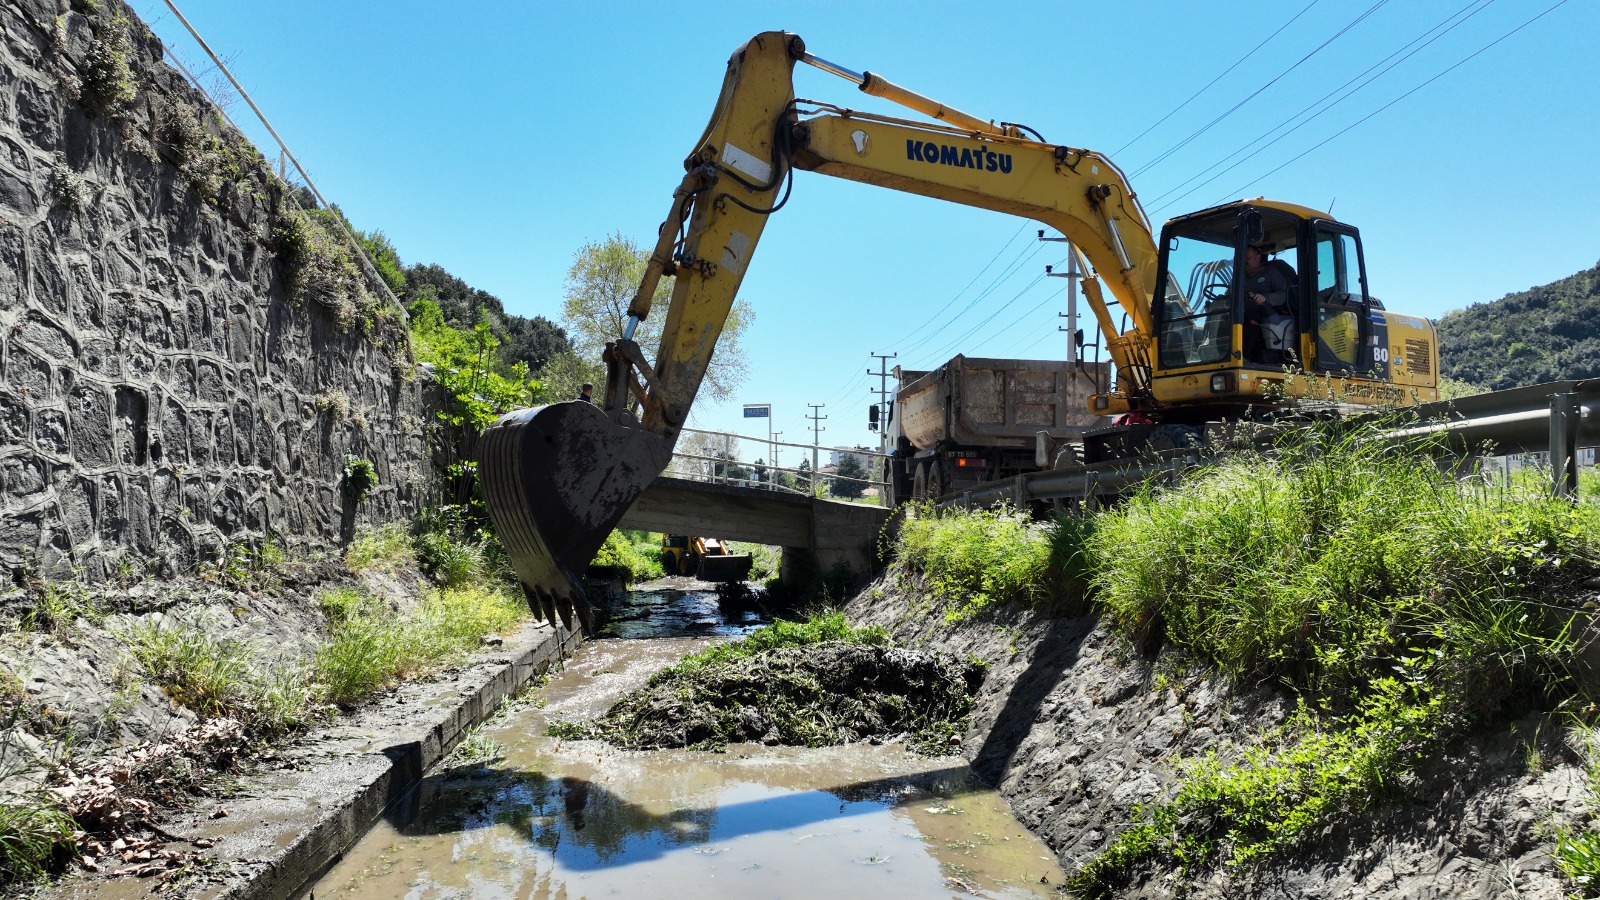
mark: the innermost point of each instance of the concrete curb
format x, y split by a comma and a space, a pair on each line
294, 824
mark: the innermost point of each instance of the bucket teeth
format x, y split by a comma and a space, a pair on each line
556, 480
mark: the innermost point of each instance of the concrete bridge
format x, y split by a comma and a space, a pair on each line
815, 534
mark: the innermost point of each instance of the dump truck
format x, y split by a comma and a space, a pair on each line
975, 419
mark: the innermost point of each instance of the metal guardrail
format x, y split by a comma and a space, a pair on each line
1558, 418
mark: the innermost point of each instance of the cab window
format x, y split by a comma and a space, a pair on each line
1196, 313
1341, 301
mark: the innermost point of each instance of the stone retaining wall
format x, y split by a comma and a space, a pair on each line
161, 397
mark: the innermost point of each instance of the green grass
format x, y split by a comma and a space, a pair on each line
1402, 607
977, 559
1399, 607
1329, 566
1577, 849
370, 647
636, 552
451, 558
56, 605
220, 676
829, 625
384, 549
33, 836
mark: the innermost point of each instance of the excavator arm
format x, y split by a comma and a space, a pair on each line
558, 479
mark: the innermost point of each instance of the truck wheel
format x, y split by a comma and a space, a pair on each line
935, 481
1069, 457
919, 483
1174, 437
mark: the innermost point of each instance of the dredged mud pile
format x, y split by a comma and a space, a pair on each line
834, 692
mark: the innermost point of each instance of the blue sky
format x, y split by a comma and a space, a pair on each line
495, 138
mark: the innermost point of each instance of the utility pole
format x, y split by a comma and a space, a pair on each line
1073, 273
772, 473
883, 374
816, 432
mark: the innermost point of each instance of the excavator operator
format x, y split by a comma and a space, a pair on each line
1268, 308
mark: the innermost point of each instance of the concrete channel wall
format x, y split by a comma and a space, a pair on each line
161, 397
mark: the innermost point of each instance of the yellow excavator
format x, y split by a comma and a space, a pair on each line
1195, 344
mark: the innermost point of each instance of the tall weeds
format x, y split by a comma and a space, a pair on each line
1338, 560
976, 559
1400, 607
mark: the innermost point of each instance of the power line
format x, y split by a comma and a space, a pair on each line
1419, 87
929, 321
1180, 106
1022, 320
1257, 92
1037, 280
1415, 45
1011, 269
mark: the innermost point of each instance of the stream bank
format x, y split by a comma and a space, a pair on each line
1075, 728
530, 815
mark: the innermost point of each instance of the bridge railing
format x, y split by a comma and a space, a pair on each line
722, 457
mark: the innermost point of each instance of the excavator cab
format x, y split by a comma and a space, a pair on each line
1206, 324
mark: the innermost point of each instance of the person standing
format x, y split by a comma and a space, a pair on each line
586, 393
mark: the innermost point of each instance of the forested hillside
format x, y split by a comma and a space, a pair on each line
536, 342
1542, 334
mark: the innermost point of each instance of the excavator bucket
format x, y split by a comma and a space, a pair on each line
557, 479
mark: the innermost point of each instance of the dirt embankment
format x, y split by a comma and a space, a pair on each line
1075, 728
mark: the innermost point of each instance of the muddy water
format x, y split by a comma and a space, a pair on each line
571, 819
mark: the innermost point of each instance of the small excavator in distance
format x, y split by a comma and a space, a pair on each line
1188, 351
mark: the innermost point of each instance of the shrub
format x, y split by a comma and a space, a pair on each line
360, 477
639, 558
384, 549
978, 558
109, 84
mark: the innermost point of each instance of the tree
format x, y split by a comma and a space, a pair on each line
849, 481
566, 372
599, 287
536, 341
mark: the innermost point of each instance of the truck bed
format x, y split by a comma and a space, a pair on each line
997, 402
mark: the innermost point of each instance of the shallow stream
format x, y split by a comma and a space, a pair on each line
571, 819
